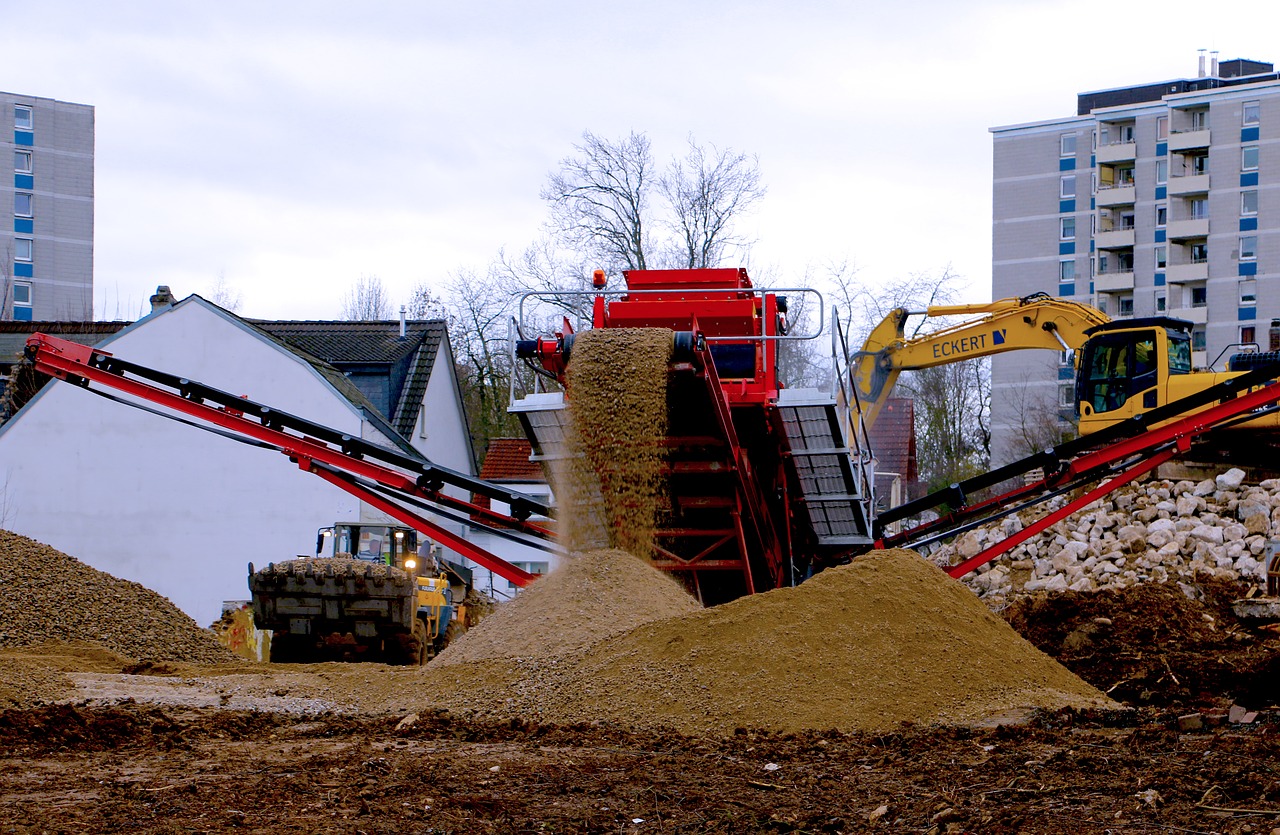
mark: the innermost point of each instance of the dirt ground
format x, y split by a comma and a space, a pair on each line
130, 754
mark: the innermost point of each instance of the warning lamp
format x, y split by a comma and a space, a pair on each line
598, 279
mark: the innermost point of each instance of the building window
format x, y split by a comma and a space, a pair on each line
1198, 208
1125, 305
1102, 303
22, 204
1162, 215
1068, 229
1248, 291
1249, 202
1248, 247
1124, 177
1248, 335
1066, 397
1249, 158
22, 249
1197, 339
21, 293
1251, 113
1161, 303
1067, 187
1162, 127
1162, 258
1199, 164
1199, 253
1066, 271
1162, 171
1067, 145
1199, 119
22, 117
1200, 296
22, 162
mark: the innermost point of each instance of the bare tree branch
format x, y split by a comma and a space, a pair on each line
367, 299
708, 191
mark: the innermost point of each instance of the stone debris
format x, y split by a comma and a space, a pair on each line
1158, 531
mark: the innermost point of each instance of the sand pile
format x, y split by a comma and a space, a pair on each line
591, 596
617, 400
885, 640
46, 595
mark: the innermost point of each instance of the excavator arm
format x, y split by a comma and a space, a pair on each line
1035, 321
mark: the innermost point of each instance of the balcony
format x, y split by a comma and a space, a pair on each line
1113, 282
1195, 315
1114, 238
1180, 230
1180, 273
1188, 140
1117, 195
1188, 184
1116, 152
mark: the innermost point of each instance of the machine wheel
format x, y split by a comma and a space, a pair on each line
285, 648
414, 647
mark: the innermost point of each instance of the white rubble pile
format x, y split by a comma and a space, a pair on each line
1156, 531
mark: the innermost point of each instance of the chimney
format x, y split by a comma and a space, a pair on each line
403, 328
1200, 74
1213, 63
162, 299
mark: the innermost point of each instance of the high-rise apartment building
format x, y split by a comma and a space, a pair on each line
46, 251
1160, 199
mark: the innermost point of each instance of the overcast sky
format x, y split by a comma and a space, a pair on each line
291, 147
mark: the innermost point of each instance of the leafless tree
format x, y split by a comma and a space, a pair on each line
708, 190
1039, 425
426, 303
367, 299
599, 200
224, 295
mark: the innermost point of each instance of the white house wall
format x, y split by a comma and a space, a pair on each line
151, 500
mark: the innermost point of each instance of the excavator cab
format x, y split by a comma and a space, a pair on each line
1125, 366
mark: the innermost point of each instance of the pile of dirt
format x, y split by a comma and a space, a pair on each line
617, 401
867, 646
591, 596
49, 596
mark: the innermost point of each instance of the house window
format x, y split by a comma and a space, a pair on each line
1200, 296
1248, 335
1248, 247
1249, 158
1162, 171
1249, 202
1162, 215
1068, 230
1197, 339
1248, 291
1162, 258
1066, 271
1252, 113
1067, 186
1162, 127
1067, 144
22, 162
1161, 303
22, 204
22, 117
22, 249
1125, 305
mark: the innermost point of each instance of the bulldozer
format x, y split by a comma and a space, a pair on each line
369, 594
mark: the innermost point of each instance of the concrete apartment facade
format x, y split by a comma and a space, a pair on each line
1160, 199
46, 251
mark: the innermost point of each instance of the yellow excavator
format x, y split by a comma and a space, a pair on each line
1123, 368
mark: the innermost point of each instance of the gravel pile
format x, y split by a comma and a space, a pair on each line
46, 595
1157, 531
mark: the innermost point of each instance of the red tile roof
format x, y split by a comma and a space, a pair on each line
507, 459
893, 438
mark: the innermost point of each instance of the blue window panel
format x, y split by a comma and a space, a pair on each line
1248, 224
1067, 288
1093, 160
1159, 279
1066, 206
1160, 235
1249, 179
1091, 244
1067, 164
1093, 203
1091, 290
24, 224
1066, 373
24, 137
1248, 268
21, 314
23, 271
1246, 314
1067, 248
24, 181
1162, 192
1249, 134
1162, 148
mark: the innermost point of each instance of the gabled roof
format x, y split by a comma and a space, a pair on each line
893, 439
13, 335
507, 460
